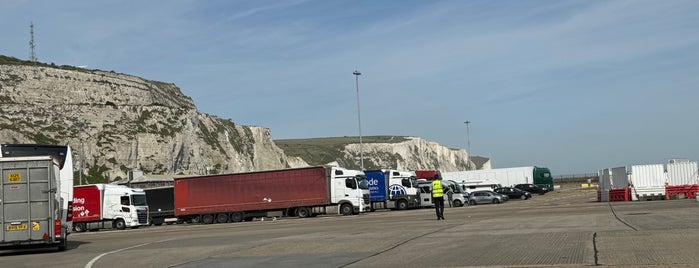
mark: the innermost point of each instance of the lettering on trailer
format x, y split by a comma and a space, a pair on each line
373, 184
79, 206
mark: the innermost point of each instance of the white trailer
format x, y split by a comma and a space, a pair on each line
504, 176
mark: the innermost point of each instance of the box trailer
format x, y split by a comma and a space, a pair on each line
32, 212
105, 206
392, 189
161, 204
301, 192
59, 195
540, 176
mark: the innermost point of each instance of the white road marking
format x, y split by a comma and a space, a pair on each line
95, 259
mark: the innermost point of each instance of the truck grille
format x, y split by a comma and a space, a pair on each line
366, 198
142, 216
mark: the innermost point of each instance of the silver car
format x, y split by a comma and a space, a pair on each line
486, 197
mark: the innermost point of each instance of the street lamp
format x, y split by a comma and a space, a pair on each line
356, 74
468, 140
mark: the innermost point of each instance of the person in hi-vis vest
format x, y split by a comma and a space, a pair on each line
438, 196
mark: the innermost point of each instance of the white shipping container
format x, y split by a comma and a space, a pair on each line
648, 176
682, 173
620, 178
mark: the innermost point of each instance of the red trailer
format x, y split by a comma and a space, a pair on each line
302, 192
426, 174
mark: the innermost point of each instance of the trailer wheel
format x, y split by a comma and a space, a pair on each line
236, 217
346, 209
457, 203
222, 218
196, 219
119, 224
79, 227
402, 204
303, 212
207, 219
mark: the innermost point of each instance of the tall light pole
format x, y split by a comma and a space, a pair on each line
468, 144
356, 74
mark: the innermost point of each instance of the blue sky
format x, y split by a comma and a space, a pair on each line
572, 85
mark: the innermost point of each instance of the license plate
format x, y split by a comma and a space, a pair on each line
17, 227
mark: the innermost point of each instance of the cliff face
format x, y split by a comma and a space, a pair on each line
117, 122
380, 152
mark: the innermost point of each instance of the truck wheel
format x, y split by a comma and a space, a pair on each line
79, 227
303, 212
346, 209
457, 203
196, 219
119, 224
236, 217
207, 219
402, 204
222, 218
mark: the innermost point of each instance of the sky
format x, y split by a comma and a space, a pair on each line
575, 86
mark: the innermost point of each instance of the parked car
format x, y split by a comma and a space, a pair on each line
532, 188
513, 193
486, 197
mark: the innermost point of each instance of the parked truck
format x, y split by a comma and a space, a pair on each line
509, 177
105, 206
35, 195
302, 192
161, 204
392, 189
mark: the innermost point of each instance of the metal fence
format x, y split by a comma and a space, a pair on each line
576, 177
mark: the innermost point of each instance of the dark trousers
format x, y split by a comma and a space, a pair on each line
439, 206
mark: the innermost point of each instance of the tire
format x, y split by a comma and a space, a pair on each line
346, 209
63, 245
472, 202
523, 197
222, 218
236, 217
457, 203
207, 219
119, 224
79, 227
303, 212
401, 204
496, 201
195, 219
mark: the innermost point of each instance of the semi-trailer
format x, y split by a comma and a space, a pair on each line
161, 204
302, 192
36, 195
105, 206
541, 176
392, 189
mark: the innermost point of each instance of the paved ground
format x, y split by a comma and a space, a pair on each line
566, 228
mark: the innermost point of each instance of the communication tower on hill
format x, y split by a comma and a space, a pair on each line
32, 54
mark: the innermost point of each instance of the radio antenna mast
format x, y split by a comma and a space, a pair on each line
32, 54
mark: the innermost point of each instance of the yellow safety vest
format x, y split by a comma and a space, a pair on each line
437, 190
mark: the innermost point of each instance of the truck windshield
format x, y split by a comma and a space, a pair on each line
363, 183
139, 200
